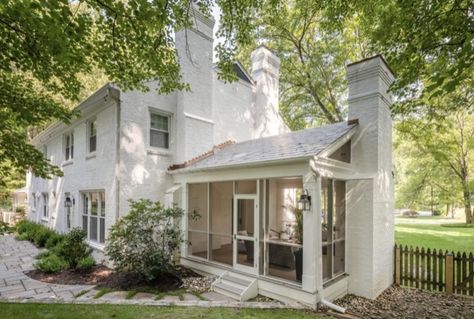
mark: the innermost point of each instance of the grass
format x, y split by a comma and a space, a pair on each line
102, 292
178, 292
71, 311
444, 236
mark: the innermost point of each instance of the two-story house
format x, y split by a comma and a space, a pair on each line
297, 216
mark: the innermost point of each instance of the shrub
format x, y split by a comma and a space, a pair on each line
86, 263
42, 236
5, 228
27, 230
146, 239
73, 247
54, 240
51, 264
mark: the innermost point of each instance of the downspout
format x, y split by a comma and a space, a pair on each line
332, 306
115, 94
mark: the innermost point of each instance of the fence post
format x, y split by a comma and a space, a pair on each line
449, 273
397, 265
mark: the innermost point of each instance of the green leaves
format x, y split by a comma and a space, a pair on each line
146, 239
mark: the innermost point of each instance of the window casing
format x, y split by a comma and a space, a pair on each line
45, 205
159, 130
92, 135
69, 146
33, 196
93, 216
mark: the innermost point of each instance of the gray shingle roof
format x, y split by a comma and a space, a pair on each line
293, 145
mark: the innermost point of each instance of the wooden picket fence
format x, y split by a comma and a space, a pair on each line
431, 269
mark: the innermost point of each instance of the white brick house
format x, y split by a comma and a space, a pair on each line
223, 151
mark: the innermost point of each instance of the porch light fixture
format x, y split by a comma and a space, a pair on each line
68, 202
304, 203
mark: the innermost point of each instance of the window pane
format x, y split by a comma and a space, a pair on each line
339, 257
245, 217
159, 139
93, 128
102, 230
72, 152
93, 228
94, 203
92, 144
67, 153
159, 122
102, 204
85, 207
84, 224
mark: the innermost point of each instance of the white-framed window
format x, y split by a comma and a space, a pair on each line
93, 215
45, 151
159, 130
45, 197
92, 135
69, 146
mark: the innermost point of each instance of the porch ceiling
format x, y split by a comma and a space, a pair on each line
290, 146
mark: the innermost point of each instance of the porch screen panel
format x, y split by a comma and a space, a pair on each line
283, 249
333, 226
198, 219
339, 227
220, 216
246, 187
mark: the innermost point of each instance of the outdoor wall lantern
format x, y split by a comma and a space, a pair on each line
304, 203
68, 202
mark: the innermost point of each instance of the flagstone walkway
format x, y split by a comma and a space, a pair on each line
17, 257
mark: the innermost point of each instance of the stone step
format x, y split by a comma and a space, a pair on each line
235, 281
227, 290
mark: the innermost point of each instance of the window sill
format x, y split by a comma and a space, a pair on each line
159, 151
91, 155
67, 163
96, 245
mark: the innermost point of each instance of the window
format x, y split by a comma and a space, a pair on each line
33, 197
45, 151
92, 132
69, 146
93, 216
159, 130
45, 205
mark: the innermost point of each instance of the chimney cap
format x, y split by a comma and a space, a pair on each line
372, 58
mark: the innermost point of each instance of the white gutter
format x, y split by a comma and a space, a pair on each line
332, 306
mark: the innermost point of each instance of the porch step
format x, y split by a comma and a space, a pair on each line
234, 281
228, 290
235, 287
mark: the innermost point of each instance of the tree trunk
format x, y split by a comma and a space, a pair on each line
467, 206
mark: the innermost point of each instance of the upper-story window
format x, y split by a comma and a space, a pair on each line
69, 146
45, 151
159, 130
92, 135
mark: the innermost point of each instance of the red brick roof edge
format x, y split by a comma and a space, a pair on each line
214, 150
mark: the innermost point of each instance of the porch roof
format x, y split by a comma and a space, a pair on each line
289, 146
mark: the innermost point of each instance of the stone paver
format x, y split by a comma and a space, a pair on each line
144, 296
17, 257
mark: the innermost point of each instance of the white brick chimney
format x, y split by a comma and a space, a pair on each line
370, 200
194, 108
266, 74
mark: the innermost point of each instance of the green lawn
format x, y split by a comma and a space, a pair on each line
57, 311
449, 237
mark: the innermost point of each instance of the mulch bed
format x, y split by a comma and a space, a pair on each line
398, 302
104, 277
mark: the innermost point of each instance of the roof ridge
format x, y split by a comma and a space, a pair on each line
215, 149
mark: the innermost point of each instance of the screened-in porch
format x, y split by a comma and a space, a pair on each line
256, 226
